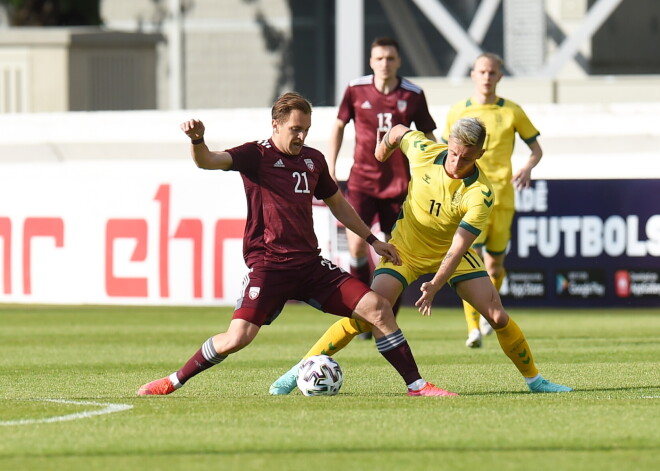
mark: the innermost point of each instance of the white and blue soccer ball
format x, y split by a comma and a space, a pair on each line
320, 375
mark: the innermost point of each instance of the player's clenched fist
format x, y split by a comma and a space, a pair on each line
193, 128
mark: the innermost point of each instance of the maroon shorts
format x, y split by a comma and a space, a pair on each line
321, 284
370, 209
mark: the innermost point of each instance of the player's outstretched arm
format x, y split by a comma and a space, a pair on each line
390, 142
387, 250
203, 157
460, 244
336, 139
344, 212
522, 178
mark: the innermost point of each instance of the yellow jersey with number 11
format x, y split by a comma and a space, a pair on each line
437, 204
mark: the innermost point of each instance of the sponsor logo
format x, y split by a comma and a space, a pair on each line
366, 105
310, 164
526, 357
587, 235
254, 292
637, 283
622, 283
488, 194
279, 163
524, 284
580, 284
418, 145
427, 178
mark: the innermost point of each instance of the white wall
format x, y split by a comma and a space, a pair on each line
592, 137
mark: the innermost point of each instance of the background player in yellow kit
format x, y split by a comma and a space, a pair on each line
503, 119
448, 204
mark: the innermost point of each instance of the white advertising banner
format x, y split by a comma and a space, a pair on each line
125, 232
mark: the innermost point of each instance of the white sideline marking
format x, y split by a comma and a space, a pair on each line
108, 408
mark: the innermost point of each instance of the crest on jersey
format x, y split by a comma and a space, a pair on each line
310, 164
402, 105
254, 292
456, 200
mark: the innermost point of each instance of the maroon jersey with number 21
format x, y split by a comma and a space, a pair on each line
280, 188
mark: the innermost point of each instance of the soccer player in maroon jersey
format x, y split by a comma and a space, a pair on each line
281, 177
376, 103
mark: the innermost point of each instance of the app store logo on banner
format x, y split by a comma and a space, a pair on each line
622, 283
580, 284
524, 285
637, 283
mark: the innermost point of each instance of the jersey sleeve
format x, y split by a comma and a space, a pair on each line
419, 149
477, 206
326, 186
346, 111
423, 119
524, 126
245, 158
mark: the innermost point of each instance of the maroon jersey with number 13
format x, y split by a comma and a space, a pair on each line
375, 113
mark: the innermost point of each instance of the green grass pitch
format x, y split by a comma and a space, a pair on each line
78, 363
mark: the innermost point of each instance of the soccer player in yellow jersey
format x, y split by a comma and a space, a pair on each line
448, 204
503, 119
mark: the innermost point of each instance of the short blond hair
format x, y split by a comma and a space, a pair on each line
469, 132
492, 56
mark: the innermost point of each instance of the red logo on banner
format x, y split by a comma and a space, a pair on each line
190, 229
622, 283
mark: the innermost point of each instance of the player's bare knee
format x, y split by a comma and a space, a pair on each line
376, 310
496, 271
498, 318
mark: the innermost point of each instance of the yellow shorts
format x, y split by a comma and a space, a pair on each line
497, 234
411, 269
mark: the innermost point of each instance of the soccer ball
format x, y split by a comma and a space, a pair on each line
320, 375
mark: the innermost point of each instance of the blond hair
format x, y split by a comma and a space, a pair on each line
492, 56
469, 132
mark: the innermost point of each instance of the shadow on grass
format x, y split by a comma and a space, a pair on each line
324, 450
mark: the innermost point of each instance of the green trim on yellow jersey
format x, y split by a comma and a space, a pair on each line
529, 140
394, 273
469, 228
472, 178
440, 159
468, 276
499, 102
